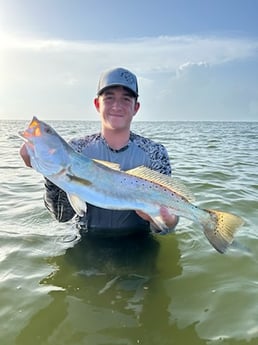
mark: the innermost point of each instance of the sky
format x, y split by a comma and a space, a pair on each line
195, 59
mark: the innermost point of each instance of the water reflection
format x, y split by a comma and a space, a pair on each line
109, 291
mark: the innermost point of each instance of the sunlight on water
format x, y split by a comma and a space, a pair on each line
59, 289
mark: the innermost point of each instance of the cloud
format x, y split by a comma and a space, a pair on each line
192, 65
59, 77
174, 50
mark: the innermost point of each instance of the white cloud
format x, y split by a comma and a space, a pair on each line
190, 65
59, 77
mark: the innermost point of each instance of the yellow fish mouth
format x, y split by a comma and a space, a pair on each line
33, 130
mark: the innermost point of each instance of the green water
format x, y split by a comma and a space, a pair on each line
57, 288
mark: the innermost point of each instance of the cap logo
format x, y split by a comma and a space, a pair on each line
128, 77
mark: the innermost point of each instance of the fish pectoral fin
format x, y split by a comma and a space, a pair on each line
77, 204
78, 179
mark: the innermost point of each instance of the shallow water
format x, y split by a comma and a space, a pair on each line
59, 289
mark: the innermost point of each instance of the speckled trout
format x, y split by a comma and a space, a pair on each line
102, 184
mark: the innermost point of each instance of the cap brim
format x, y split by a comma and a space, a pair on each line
114, 85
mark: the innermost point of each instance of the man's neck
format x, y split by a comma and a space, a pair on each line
116, 139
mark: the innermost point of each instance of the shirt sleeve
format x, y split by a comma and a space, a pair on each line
160, 160
156, 153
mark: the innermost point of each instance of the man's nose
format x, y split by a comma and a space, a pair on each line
117, 103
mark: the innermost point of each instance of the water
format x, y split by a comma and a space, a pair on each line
57, 289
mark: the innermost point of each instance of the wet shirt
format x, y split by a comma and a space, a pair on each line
139, 151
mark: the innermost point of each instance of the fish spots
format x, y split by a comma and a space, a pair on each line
128, 181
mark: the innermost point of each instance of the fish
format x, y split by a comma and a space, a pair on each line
105, 185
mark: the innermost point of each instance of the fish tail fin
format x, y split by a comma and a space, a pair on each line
221, 229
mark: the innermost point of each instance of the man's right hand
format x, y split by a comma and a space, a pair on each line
25, 156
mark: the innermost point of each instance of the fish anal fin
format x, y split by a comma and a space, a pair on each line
77, 204
171, 183
161, 226
157, 223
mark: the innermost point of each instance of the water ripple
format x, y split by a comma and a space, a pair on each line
55, 290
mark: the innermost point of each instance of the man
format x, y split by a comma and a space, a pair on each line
117, 104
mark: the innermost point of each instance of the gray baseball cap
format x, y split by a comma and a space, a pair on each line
118, 77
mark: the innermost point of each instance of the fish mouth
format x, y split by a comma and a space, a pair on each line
33, 130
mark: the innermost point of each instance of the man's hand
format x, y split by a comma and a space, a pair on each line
169, 219
25, 156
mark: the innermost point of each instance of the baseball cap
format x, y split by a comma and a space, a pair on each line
118, 77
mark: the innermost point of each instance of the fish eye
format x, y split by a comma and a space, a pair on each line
48, 130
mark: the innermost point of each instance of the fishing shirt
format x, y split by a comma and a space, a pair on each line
139, 151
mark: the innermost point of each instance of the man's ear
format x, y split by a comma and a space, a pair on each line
136, 107
96, 103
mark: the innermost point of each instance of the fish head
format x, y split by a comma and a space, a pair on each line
47, 150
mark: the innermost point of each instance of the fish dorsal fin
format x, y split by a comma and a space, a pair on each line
114, 166
171, 183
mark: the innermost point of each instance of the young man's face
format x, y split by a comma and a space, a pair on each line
117, 107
